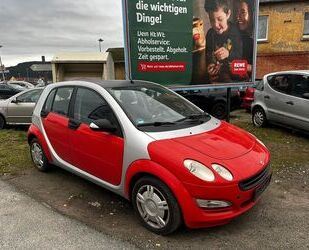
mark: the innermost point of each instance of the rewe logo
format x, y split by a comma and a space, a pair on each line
239, 67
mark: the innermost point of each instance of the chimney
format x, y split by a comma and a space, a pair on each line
43, 59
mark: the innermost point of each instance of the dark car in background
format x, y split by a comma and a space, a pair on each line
213, 101
7, 91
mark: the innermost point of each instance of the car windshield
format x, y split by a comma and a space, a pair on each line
16, 86
154, 108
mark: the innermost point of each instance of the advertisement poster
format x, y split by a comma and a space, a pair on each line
191, 42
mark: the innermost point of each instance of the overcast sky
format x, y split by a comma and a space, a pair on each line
32, 28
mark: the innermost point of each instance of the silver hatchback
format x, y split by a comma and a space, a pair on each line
283, 98
18, 109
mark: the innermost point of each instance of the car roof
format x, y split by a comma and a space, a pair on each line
111, 83
18, 82
28, 90
306, 72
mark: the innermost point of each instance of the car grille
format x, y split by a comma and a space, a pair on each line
255, 180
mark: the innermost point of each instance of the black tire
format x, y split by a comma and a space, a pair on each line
149, 192
2, 122
38, 156
259, 118
219, 110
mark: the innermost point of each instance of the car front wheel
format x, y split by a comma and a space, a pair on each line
156, 206
38, 157
259, 117
2, 122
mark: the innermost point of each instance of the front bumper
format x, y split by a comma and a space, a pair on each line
242, 201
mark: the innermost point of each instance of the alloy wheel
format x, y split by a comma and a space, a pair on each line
37, 155
259, 118
152, 206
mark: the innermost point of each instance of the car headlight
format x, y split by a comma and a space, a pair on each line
199, 170
223, 172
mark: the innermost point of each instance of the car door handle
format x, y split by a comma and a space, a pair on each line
73, 124
266, 97
290, 103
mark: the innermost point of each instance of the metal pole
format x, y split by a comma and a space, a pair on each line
2, 70
228, 104
100, 41
27, 74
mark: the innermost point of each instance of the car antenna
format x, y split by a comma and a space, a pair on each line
128, 77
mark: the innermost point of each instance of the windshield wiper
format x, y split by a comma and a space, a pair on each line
195, 117
155, 124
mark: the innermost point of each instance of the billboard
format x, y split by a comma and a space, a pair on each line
191, 42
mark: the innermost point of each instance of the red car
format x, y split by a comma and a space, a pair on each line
248, 98
174, 162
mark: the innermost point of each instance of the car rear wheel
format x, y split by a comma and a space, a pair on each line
2, 122
219, 110
259, 117
156, 206
38, 157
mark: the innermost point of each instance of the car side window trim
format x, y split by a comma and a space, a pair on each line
53, 92
72, 103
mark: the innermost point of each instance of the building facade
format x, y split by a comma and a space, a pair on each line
283, 39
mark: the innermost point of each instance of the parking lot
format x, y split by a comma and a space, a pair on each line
278, 220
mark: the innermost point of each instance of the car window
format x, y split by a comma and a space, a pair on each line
153, 108
300, 85
62, 100
142, 103
49, 101
281, 83
30, 97
260, 85
4, 87
90, 106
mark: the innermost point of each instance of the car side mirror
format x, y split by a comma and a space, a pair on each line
103, 125
15, 101
44, 113
306, 95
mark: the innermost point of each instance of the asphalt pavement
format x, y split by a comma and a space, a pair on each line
28, 224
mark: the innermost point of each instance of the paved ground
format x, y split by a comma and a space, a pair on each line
27, 224
279, 221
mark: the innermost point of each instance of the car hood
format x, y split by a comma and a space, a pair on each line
224, 143
3, 102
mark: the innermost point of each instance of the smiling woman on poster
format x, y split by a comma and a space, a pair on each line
244, 20
223, 41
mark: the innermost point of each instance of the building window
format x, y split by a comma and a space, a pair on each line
306, 25
263, 28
